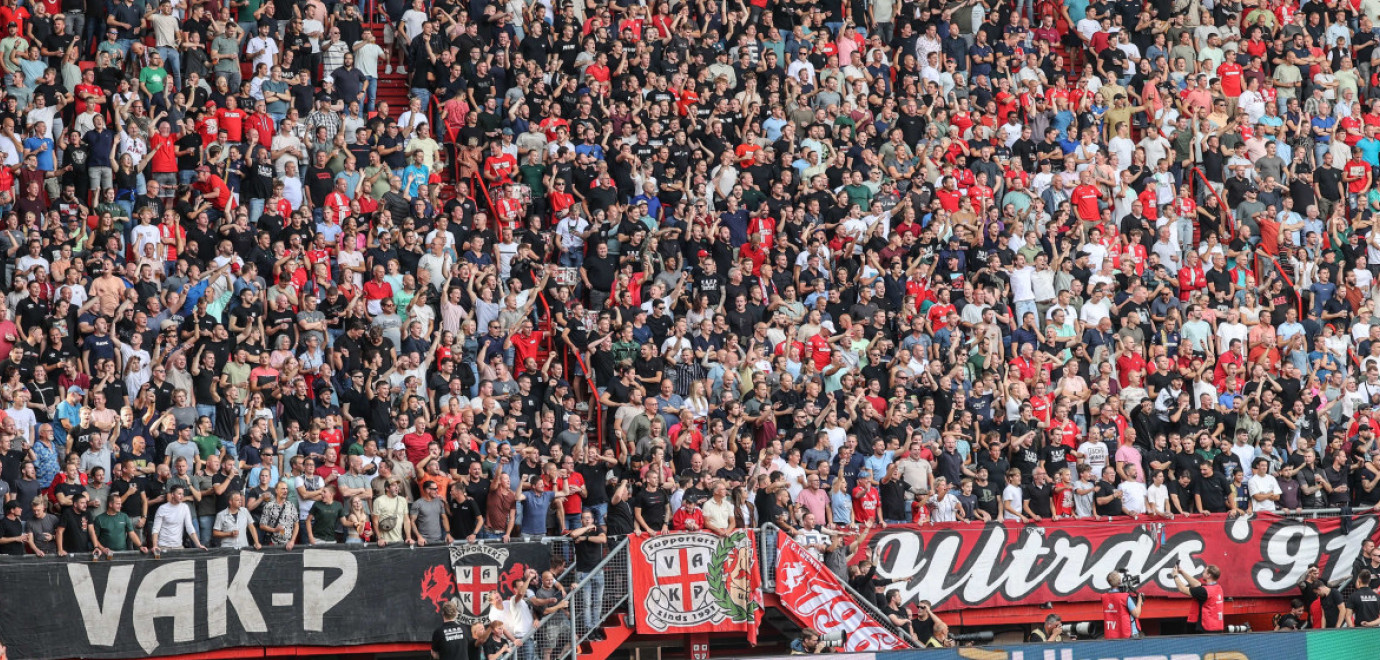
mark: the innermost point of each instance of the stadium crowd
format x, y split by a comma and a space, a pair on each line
689, 265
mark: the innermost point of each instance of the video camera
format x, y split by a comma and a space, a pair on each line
1130, 583
833, 640
981, 637
1083, 629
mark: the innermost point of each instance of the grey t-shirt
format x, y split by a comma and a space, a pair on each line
187, 450
203, 483
428, 513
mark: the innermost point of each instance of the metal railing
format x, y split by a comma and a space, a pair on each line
560, 546
602, 592
766, 544
588, 603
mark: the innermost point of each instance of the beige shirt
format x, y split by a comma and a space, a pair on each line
720, 516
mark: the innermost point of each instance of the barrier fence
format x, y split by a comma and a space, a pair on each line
590, 599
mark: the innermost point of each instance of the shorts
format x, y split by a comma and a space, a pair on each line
167, 184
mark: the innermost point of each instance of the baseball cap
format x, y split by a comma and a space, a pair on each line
76, 390
704, 253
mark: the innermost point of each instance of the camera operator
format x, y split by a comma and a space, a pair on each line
1208, 614
1295, 618
1120, 610
809, 643
1052, 632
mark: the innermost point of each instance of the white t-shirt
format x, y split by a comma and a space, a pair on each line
810, 537
945, 509
1012, 496
1022, 287
1159, 496
266, 48
1133, 495
1263, 484
794, 475
1094, 454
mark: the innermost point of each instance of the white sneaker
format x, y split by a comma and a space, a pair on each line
401, 69
387, 69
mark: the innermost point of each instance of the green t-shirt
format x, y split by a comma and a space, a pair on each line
859, 194
532, 176
154, 79
209, 445
324, 518
113, 530
246, 13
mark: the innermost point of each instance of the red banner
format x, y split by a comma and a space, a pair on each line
956, 565
696, 582
812, 592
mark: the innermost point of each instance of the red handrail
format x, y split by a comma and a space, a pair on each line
1227, 220
596, 409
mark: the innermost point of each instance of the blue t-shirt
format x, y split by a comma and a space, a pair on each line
1370, 151
100, 143
534, 511
45, 157
1326, 124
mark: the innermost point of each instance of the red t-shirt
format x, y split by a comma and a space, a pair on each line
83, 88
232, 122
501, 167
378, 291
164, 148
1230, 74
1085, 202
865, 503
1357, 169
222, 201
573, 501
416, 444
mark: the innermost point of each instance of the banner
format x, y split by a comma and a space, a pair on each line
1252, 646
958, 565
812, 592
687, 582
192, 602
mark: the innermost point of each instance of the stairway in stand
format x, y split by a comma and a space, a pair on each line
616, 632
393, 87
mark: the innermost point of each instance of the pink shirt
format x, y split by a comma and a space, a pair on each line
1129, 454
816, 503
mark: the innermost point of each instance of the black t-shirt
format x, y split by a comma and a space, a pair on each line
1365, 604
192, 141
10, 529
600, 271
1329, 181
76, 537
596, 482
653, 505
452, 641
620, 519
588, 554
1213, 491
1111, 508
893, 494
1039, 499
988, 499
464, 516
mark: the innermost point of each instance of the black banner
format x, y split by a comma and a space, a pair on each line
191, 602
